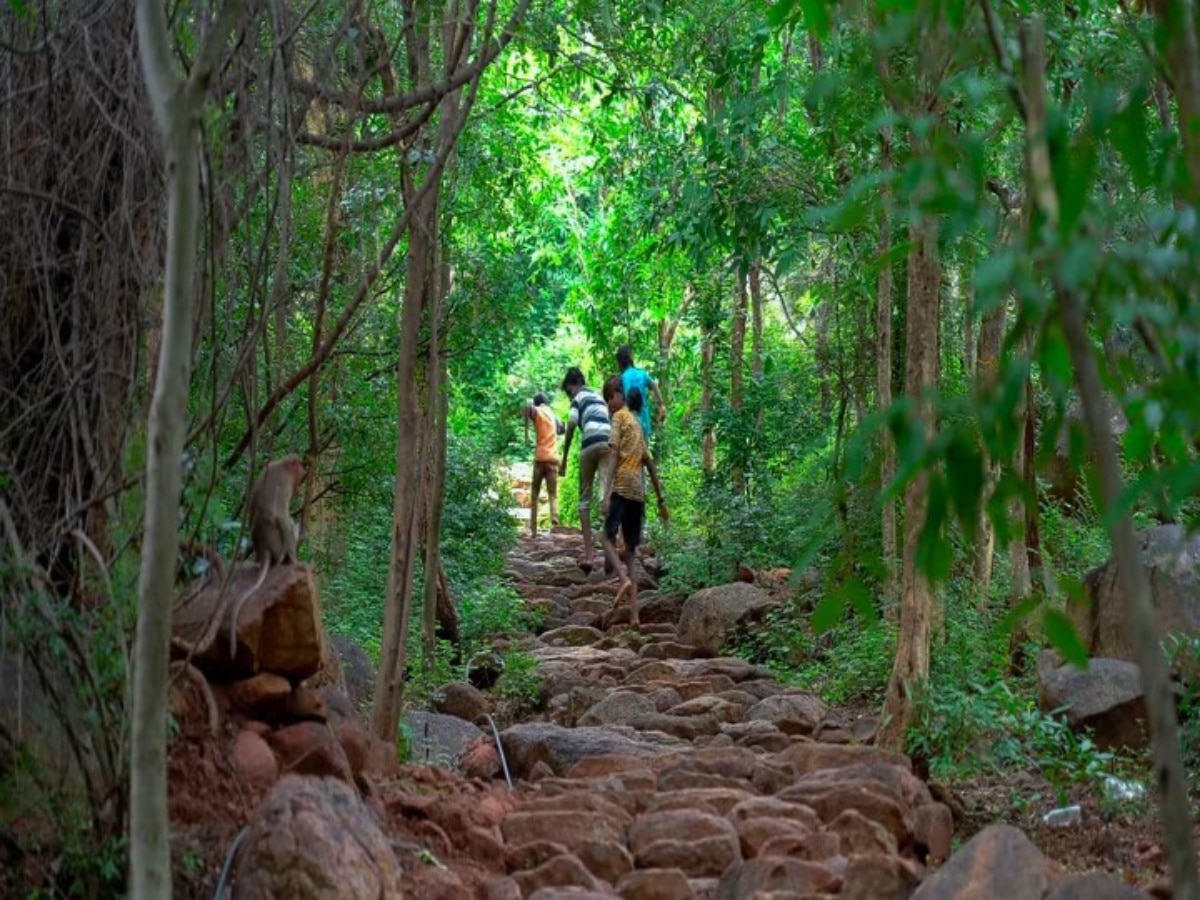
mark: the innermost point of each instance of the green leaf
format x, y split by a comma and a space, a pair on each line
1020, 612
1129, 136
1063, 638
816, 17
782, 13
965, 471
1055, 359
1139, 441
828, 611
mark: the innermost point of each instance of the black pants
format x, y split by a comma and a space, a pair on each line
627, 515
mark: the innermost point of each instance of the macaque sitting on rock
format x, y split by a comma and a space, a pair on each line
272, 531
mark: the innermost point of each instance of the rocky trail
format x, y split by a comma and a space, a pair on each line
655, 769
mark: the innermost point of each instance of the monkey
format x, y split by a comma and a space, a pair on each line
272, 532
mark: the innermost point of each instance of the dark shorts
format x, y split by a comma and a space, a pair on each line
627, 515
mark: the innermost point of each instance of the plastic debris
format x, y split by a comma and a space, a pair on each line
1064, 817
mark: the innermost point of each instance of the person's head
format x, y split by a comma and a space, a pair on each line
572, 382
540, 399
613, 394
624, 357
635, 400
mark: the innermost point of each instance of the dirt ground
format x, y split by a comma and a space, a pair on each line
1123, 839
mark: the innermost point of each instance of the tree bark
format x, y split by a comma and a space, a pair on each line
991, 342
177, 103
421, 278
1156, 685
1177, 27
737, 380
709, 449
883, 380
911, 667
1021, 583
437, 410
754, 279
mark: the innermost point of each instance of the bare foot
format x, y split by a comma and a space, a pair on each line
635, 625
626, 588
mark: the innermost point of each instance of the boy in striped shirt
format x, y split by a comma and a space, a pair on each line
589, 416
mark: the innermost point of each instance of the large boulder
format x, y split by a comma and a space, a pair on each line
439, 739
313, 839
790, 713
358, 672
278, 629
461, 700
560, 748
619, 708
1105, 697
708, 616
999, 862
1172, 562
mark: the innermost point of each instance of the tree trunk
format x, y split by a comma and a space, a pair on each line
970, 346
1177, 27
709, 452
422, 274
437, 411
991, 342
177, 104
1156, 685
883, 380
911, 666
737, 378
756, 339
1021, 584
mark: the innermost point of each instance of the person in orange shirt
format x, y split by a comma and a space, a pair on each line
625, 505
547, 428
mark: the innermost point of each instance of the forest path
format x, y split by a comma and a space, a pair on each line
659, 771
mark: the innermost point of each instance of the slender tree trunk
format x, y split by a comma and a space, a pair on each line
911, 667
420, 283
1156, 685
737, 379
709, 451
390, 686
437, 452
1021, 584
883, 380
177, 104
991, 342
754, 280
1177, 28
970, 346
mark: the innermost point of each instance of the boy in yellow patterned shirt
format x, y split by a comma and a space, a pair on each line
625, 506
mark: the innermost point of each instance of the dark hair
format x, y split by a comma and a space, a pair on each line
612, 387
574, 378
540, 399
624, 357
634, 400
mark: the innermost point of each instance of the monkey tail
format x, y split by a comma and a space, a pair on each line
239, 603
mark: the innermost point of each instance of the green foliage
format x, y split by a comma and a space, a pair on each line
1183, 654
848, 663
492, 609
968, 728
63, 751
520, 681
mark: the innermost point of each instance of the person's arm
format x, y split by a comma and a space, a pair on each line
663, 514
562, 466
612, 462
660, 409
527, 416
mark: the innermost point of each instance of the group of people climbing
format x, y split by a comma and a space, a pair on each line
615, 433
